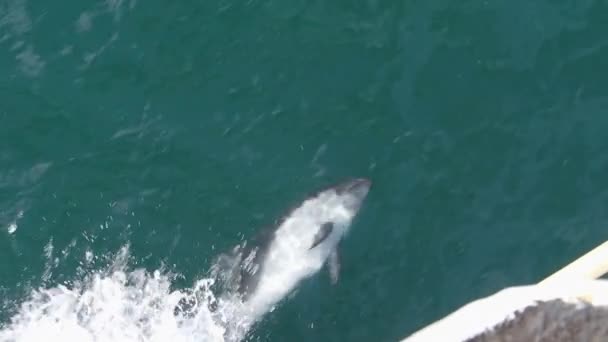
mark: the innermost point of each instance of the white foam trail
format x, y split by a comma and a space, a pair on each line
122, 305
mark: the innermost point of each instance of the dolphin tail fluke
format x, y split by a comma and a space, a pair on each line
333, 264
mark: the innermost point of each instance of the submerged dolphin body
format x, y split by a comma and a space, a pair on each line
273, 264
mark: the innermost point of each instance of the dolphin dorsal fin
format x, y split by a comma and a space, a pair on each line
322, 234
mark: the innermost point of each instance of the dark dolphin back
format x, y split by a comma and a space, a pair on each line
252, 260
254, 251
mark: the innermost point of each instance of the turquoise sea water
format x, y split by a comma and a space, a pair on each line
179, 128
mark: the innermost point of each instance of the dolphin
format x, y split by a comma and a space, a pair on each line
275, 261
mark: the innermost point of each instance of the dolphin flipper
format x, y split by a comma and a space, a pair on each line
322, 234
333, 263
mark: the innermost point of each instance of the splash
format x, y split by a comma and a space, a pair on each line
119, 304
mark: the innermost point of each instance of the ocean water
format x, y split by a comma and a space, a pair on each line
139, 140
